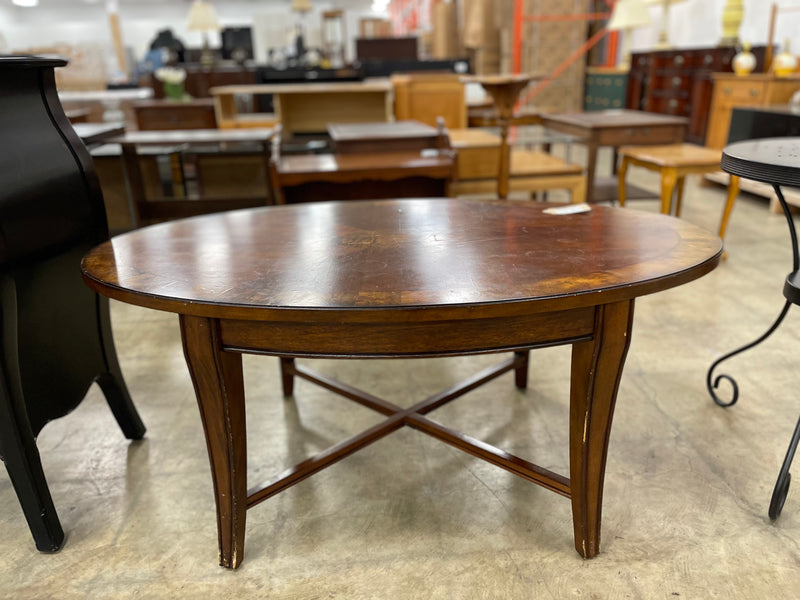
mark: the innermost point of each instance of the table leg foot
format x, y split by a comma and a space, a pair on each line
219, 386
596, 371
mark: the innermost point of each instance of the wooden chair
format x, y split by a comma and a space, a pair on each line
56, 332
425, 96
674, 162
477, 166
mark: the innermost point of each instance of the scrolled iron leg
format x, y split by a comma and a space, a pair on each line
712, 383
784, 477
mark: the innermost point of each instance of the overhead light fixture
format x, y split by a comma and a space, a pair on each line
25, 3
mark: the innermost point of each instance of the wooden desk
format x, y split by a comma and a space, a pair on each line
403, 278
616, 128
315, 177
309, 107
145, 209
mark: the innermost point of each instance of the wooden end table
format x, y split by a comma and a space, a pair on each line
616, 128
402, 278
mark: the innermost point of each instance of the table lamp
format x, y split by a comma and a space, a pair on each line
203, 17
627, 15
663, 38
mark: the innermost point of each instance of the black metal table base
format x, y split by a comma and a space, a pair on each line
792, 294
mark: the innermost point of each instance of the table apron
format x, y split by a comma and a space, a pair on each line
659, 134
389, 339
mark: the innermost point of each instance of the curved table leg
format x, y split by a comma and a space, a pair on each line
596, 370
784, 477
219, 386
712, 383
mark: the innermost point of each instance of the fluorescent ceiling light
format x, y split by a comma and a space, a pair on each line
25, 3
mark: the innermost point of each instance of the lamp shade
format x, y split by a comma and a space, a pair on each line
203, 17
301, 5
628, 14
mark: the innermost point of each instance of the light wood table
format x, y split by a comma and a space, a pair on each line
403, 278
309, 107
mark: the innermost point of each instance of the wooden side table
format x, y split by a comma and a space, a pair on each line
774, 161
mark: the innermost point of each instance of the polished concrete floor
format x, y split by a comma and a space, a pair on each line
687, 483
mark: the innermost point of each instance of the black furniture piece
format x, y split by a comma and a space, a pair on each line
55, 332
775, 161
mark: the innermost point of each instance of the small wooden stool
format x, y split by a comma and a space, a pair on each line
477, 159
675, 162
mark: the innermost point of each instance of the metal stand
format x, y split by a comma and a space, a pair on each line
792, 295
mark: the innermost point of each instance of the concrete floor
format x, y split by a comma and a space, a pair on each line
687, 483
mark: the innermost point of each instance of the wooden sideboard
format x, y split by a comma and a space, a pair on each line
678, 82
759, 89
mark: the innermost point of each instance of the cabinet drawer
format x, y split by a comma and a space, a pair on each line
730, 92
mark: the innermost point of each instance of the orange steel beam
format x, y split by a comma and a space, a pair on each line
565, 64
516, 37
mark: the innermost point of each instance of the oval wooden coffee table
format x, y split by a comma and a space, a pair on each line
403, 278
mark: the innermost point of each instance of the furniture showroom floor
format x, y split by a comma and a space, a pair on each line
687, 483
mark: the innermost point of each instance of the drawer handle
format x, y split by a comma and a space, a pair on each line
673, 103
754, 92
679, 60
708, 59
676, 81
727, 91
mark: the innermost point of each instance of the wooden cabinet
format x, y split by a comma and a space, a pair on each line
678, 82
753, 90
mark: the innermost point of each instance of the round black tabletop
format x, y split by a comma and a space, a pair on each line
770, 160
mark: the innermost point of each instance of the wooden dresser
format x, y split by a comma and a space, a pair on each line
759, 89
678, 82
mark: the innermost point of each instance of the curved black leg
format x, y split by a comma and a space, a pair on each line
784, 477
112, 383
712, 383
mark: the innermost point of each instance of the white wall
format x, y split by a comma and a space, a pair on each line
87, 24
699, 23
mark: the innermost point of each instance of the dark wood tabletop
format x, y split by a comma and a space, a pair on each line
402, 278
605, 119
401, 254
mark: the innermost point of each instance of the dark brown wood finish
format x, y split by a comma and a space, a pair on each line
420, 277
314, 177
615, 128
355, 138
